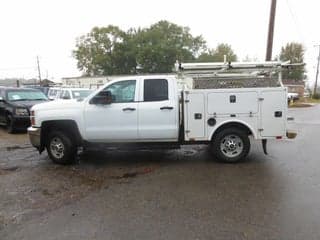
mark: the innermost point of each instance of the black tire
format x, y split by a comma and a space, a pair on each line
60, 148
230, 145
10, 124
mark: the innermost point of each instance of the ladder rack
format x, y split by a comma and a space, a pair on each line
233, 74
208, 67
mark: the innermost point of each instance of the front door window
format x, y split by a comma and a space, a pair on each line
122, 92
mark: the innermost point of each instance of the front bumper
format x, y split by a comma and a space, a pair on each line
34, 136
21, 122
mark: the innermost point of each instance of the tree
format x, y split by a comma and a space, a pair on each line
103, 51
109, 50
159, 46
217, 54
293, 52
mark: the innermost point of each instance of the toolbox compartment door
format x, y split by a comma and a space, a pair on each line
273, 113
232, 102
194, 115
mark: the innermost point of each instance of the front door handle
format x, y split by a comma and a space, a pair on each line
128, 109
166, 108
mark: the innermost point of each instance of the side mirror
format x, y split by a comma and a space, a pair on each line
104, 97
1, 99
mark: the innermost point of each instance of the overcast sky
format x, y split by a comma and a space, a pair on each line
50, 28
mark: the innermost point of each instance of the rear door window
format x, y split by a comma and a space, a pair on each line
155, 90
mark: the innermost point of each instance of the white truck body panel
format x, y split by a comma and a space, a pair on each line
254, 108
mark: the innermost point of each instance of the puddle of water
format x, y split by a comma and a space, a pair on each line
16, 147
132, 174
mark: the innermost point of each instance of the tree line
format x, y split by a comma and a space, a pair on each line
112, 51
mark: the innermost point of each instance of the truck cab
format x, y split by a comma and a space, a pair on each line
141, 108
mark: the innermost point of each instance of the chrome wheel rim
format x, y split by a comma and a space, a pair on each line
231, 146
57, 148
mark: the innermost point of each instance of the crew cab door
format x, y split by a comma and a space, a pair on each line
116, 121
158, 110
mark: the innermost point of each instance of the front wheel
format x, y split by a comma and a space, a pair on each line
230, 145
60, 148
10, 124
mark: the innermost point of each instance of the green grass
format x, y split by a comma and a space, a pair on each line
308, 100
304, 102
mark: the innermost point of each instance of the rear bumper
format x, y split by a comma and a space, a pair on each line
34, 136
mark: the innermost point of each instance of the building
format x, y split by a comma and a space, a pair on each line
43, 83
86, 82
295, 86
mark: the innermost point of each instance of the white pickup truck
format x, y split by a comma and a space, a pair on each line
150, 111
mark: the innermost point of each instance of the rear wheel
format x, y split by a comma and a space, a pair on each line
60, 148
230, 145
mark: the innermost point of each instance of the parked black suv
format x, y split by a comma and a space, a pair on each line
15, 104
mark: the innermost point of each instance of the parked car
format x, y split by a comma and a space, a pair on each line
75, 93
306, 94
293, 96
54, 93
15, 105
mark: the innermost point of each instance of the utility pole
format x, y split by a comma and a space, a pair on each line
316, 83
39, 72
271, 30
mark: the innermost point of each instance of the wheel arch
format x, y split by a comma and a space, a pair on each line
68, 126
232, 123
8, 112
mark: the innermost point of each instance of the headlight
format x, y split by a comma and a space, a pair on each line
22, 112
32, 118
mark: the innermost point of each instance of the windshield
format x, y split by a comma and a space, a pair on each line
20, 95
80, 93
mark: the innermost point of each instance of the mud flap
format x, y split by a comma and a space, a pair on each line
264, 146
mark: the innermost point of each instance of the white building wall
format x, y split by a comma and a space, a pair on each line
86, 82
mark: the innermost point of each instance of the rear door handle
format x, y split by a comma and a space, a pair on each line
128, 109
166, 108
